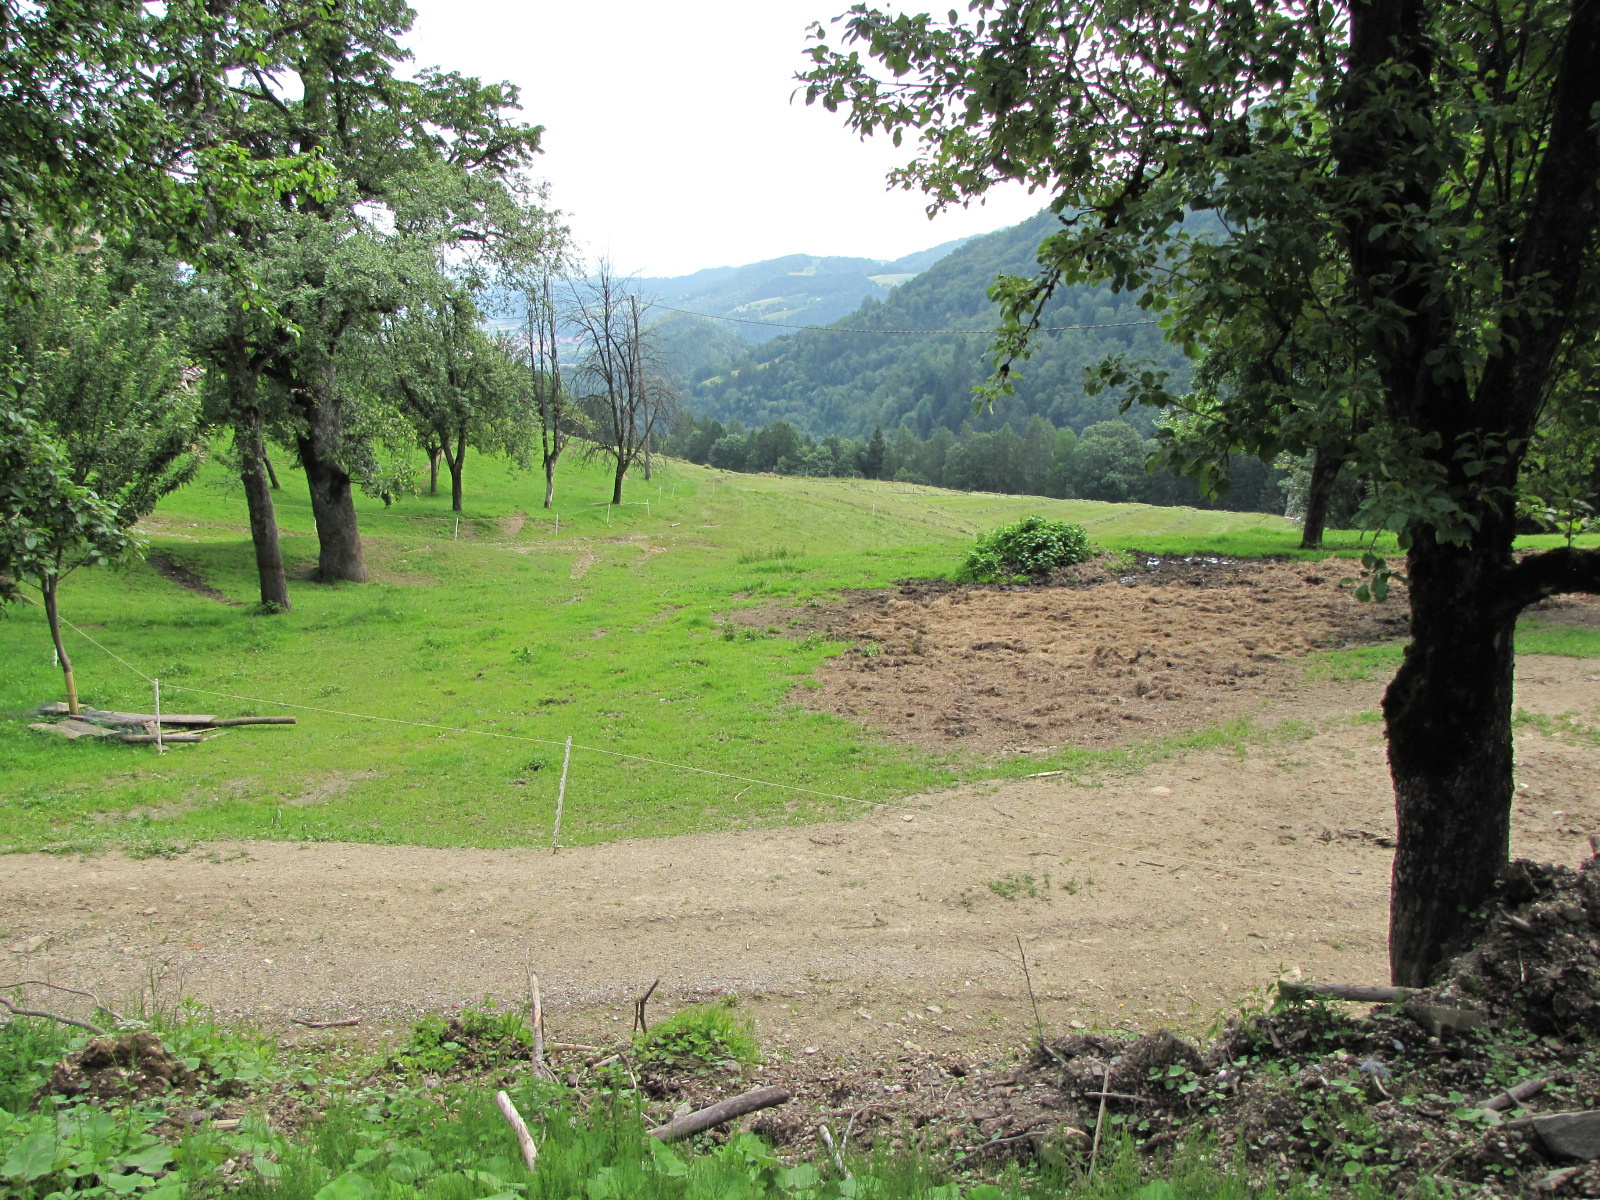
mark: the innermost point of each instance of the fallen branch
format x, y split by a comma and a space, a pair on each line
228, 722
572, 1046
1343, 991
325, 1024
508, 1110
50, 1016
166, 739
1099, 1121
61, 987
540, 1067
721, 1113
1514, 1096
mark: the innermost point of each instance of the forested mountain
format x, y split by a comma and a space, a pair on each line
838, 381
797, 289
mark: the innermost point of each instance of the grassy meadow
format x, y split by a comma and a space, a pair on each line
434, 702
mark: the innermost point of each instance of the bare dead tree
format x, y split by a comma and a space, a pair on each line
626, 394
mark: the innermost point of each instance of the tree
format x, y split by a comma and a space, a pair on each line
1108, 463
422, 168
872, 458
1417, 182
49, 525
557, 421
628, 396
455, 384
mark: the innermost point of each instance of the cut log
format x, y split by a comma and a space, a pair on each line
102, 716
719, 1114
1343, 991
150, 739
229, 722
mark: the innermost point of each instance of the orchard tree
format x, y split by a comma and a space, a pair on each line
1417, 182
49, 524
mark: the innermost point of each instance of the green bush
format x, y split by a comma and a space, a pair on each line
702, 1035
1032, 548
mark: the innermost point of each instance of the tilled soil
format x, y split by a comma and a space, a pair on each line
1107, 655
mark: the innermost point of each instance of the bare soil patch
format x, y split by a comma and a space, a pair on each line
1098, 658
169, 568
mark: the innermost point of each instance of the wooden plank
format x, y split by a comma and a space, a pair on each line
72, 729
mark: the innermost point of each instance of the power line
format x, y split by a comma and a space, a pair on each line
911, 332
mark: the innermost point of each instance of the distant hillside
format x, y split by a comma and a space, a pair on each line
798, 289
831, 381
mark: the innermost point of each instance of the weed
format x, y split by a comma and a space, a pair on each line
1017, 883
700, 1037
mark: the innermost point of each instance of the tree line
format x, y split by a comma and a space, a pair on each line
1108, 461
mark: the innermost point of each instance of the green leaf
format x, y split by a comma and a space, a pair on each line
349, 1186
151, 1161
666, 1162
32, 1158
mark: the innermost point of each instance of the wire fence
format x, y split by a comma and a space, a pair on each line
1335, 884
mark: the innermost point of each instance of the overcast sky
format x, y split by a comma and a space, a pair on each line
671, 141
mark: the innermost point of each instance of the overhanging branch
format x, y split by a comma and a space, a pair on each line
1552, 573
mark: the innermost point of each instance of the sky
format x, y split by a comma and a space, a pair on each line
671, 141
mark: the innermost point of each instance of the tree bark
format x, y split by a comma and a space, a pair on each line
1448, 718
433, 472
549, 482
272, 476
616, 487
253, 473
457, 464
1324, 475
52, 614
339, 555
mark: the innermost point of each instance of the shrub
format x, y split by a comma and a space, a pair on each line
701, 1036
1032, 547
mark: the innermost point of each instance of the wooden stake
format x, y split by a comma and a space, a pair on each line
156, 684
561, 796
508, 1110
536, 1001
1100, 1121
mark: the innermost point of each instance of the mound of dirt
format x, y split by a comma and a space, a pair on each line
134, 1066
1106, 653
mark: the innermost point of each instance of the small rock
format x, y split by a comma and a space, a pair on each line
1077, 1025
810, 1050
1555, 1179
1439, 1019
1571, 1135
1161, 791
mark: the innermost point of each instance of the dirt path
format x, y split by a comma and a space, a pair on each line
1165, 895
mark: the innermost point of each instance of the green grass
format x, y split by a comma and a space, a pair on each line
434, 701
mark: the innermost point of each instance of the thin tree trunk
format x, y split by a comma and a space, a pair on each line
52, 614
333, 507
272, 476
549, 482
433, 472
1448, 717
253, 473
1325, 468
616, 487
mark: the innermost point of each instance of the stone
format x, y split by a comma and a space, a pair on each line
1440, 1019
1571, 1135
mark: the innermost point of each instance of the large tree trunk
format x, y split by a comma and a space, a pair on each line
1448, 716
433, 472
52, 615
332, 497
616, 487
258, 485
1324, 475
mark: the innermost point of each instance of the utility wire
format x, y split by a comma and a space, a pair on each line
916, 332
